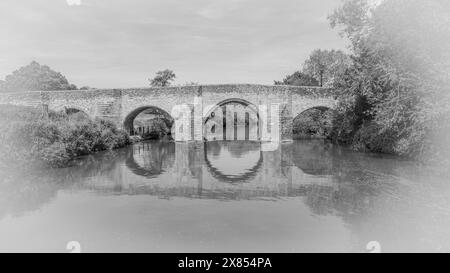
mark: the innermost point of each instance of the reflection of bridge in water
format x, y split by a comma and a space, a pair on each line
328, 180
218, 170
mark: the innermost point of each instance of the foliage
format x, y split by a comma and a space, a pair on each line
313, 123
370, 138
299, 79
163, 78
29, 136
35, 77
157, 129
399, 74
322, 68
326, 65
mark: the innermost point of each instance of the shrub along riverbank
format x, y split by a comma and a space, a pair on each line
27, 135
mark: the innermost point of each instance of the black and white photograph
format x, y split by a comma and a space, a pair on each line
225, 126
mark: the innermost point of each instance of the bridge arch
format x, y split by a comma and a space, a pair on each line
128, 123
315, 121
216, 127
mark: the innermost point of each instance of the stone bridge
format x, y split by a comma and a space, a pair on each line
192, 111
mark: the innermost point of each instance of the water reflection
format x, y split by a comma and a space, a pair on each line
364, 197
233, 162
150, 159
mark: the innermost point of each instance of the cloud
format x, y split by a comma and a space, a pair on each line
73, 2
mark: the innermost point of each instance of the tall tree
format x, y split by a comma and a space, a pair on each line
163, 78
35, 77
326, 65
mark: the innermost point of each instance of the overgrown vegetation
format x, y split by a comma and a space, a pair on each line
313, 123
27, 135
155, 128
321, 68
394, 86
395, 95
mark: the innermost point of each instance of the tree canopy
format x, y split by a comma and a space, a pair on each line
326, 65
163, 78
322, 68
299, 79
35, 77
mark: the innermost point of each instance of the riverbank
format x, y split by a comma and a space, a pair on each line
29, 136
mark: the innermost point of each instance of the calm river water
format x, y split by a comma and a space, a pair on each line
226, 197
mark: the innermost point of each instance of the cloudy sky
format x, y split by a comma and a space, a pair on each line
122, 43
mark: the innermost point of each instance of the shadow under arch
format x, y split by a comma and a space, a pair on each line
243, 102
233, 179
161, 155
129, 119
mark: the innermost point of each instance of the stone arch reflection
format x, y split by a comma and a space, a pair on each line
150, 159
248, 153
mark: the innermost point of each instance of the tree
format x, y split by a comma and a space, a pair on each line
299, 79
326, 65
35, 77
163, 78
400, 70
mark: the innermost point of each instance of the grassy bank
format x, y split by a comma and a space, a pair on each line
27, 136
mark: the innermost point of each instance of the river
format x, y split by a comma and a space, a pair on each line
236, 196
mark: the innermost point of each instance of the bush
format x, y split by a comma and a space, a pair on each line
348, 118
343, 129
371, 137
27, 135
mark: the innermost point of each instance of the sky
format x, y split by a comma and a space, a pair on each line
123, 43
